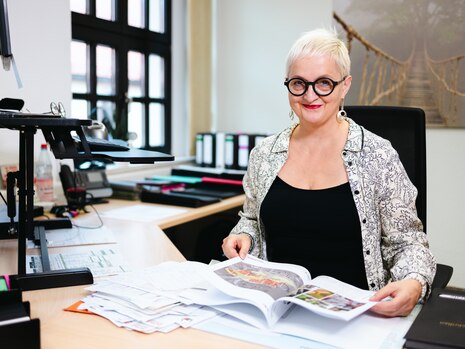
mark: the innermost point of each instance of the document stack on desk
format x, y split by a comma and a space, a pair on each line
274, 299
148, 300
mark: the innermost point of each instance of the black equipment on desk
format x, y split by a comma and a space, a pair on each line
177, 198
58, 132
100, 144
92, 183
194, 195
17, 329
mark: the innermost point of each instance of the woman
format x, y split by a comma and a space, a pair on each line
331, 196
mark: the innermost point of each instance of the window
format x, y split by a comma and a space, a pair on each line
121, 64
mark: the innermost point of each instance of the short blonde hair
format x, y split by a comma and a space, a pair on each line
320, 42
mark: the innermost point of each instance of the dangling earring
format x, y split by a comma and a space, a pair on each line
341, 114
291, 115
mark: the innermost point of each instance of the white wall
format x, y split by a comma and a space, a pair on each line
253, 37
40, 39
446, 198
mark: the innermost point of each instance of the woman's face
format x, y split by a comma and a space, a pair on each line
310, 108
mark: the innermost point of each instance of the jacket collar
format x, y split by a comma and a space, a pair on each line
281, 143
354, 139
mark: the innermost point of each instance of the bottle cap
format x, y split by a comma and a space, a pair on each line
43, 146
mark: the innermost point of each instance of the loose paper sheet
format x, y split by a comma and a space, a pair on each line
101, 262
143, 213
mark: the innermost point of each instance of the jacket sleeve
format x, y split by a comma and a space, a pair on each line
404, 245
248, 222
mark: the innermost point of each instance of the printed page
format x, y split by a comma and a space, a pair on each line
366, 331
332, 298
100, 261
165, 277
143, 213
257, 281
76, 236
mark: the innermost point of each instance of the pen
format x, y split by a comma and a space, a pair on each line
452, 296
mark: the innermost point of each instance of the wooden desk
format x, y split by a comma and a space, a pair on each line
142, 245
188, 216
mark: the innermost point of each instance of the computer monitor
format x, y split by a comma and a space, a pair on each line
5, 41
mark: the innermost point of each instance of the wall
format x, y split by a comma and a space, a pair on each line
252, 40
446, 198
40, 39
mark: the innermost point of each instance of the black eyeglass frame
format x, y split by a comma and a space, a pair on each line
312, 83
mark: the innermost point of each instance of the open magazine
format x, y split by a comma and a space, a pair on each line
261, 292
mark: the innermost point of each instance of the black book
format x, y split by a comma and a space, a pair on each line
13, 313
440, 323
12, 308
173, 198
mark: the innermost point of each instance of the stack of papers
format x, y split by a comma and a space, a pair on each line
280, 301
148, 300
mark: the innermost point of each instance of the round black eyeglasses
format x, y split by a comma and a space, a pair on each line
322, 86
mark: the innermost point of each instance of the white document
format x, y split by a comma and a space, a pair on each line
168, 277
143, 213
367, 331
101, 262
76, 236
147, 300
265, 291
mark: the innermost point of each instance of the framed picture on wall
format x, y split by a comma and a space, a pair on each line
407, 53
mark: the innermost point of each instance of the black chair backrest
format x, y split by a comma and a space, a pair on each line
404, 127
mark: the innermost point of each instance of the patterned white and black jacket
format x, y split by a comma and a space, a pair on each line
394, 244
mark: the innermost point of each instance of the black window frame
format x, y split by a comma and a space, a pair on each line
124, 38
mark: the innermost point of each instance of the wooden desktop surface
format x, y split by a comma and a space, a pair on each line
188, 216
141, 244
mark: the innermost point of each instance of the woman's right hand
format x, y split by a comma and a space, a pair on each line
236, 245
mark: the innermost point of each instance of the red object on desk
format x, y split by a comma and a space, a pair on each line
221, 181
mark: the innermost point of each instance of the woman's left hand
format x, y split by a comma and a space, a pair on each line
405, 295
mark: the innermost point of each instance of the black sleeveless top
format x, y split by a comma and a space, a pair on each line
318, 229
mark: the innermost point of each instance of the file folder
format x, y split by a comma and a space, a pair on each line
209, 147
199, 149
231, 151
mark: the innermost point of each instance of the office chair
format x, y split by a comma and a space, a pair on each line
404, 127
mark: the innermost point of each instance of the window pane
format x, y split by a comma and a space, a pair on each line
156, 76
79, 6
136, 13
136, 123
156, 125
105, 70
157, 16
105, 9
79, 67
79, 109
106, 114
135, 74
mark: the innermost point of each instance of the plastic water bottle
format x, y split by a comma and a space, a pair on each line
44, 175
